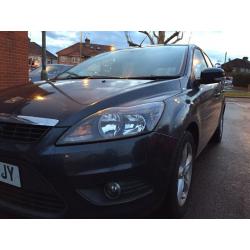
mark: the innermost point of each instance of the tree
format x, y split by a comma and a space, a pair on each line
156, 37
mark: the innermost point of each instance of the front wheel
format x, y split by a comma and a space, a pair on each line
178, 197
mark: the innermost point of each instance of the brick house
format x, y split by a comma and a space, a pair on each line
71, 55
35, 55
13, 58
237, 66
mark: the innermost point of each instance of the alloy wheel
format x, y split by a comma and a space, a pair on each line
184, 174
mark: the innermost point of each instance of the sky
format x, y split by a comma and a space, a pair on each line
214, 43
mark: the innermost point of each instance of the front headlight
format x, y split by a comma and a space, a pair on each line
114, 123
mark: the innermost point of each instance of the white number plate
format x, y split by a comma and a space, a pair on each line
9, 174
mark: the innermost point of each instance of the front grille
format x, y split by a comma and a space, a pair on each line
135, 188
22, 132
34, 203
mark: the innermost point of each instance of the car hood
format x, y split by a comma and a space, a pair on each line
61, 99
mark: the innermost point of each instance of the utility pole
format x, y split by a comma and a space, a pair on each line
190, 36
81, 46
44, 74
225, 58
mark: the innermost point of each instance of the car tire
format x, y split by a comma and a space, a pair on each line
217, 137
177, 200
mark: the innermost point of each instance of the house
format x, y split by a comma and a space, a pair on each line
13, 60
35, 55
79, 52
237, 66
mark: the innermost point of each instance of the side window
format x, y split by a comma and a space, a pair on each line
199, 64
210, 65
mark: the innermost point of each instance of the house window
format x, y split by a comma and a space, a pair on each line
63, 58
75, 59
98, 48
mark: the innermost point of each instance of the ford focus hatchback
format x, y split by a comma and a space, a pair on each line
115, 136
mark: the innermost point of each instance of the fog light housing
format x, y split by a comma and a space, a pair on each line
112, 190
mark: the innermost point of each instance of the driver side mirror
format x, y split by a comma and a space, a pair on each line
212, 75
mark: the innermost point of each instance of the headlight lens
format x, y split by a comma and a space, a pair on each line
114, 123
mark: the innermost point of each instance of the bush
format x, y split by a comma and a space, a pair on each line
241, 79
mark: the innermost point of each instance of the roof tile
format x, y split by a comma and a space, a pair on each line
36, 50
87, 50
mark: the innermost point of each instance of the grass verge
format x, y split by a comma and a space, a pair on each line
236, 94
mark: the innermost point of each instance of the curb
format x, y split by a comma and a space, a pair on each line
245, 97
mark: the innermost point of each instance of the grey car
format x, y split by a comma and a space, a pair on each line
53, 71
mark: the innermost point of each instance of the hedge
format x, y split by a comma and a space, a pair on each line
241, 79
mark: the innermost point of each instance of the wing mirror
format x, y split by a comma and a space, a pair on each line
212, 75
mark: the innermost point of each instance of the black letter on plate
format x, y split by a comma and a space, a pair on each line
10, 170
4, 175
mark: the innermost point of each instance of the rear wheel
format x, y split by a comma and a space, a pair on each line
177, 200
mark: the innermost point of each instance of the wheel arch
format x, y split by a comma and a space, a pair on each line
194, 130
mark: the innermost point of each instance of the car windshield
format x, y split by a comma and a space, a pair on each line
151, 62
51, 69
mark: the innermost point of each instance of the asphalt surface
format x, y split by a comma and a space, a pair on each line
221, 178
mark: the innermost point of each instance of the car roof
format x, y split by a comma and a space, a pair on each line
156, 46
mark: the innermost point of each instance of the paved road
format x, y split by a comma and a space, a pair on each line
221, 179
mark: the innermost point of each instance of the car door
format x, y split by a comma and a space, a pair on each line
205, 106
217, 97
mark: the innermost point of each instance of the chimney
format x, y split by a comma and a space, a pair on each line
87, 41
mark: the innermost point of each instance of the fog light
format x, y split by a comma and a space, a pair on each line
112, 190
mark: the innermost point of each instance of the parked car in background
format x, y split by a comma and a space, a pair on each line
229, 81
53, 71
217, 65
115, 136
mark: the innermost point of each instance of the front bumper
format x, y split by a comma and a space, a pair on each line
68, 181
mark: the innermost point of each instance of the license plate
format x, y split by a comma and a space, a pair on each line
10, 174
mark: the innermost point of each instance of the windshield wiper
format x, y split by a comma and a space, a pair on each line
75, 76
153, 77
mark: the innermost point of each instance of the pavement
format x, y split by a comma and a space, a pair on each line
221, 178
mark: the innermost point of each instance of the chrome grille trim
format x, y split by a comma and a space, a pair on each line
30, 120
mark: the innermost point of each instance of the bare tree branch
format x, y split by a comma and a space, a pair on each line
178, 38
155, 38
149, 36
130, 43
175, 41
175, 34
155, 35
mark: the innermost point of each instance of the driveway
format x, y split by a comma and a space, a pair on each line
221, 179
